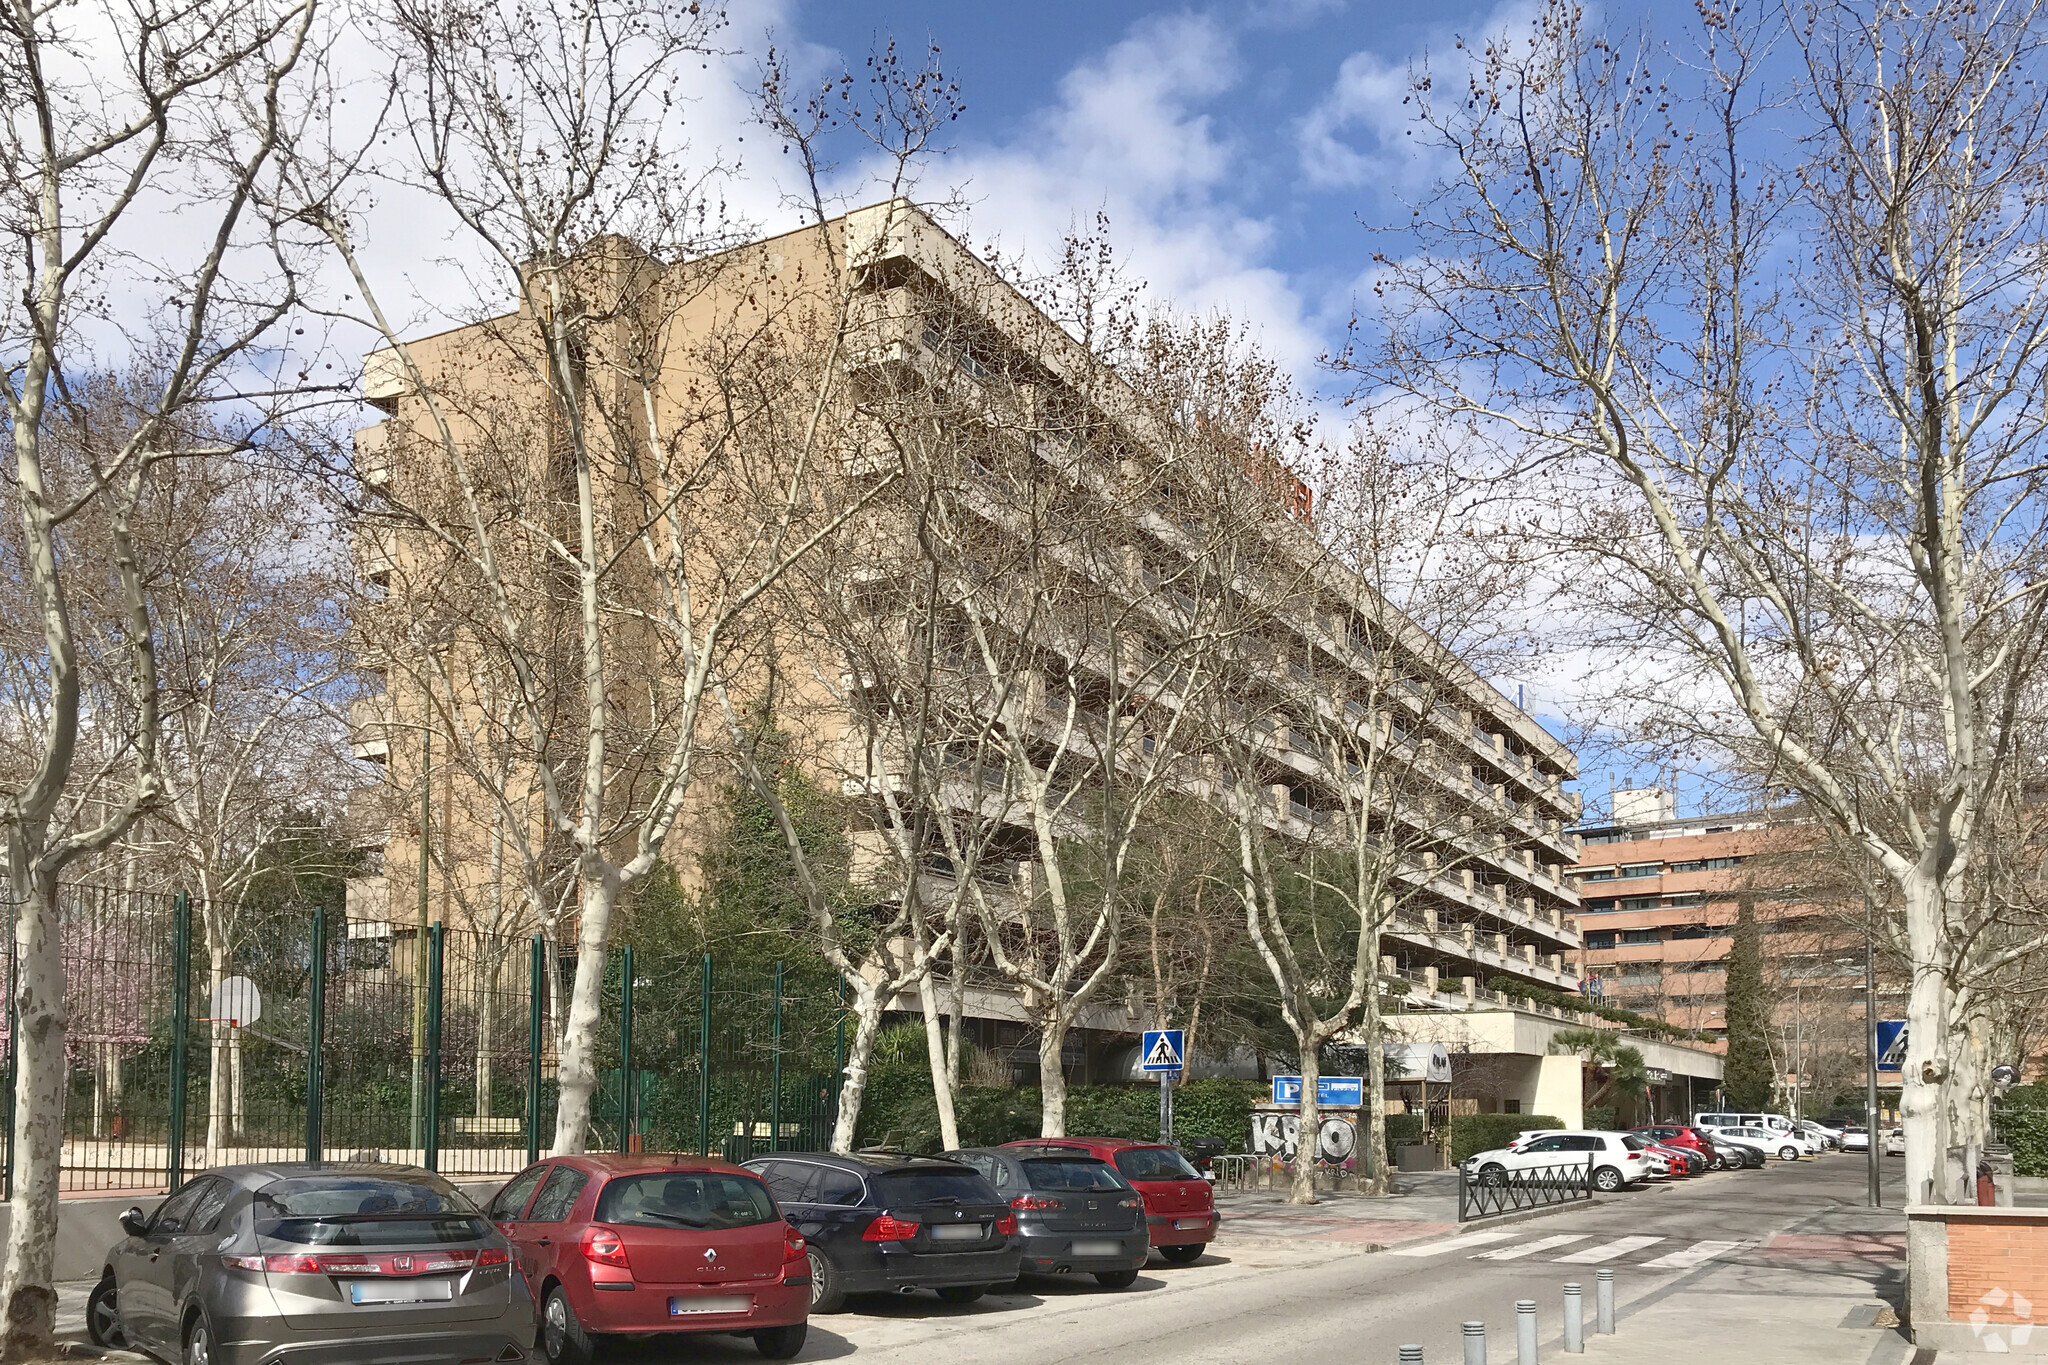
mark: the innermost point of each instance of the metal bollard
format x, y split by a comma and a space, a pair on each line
1574, 1321
1525, 1332
1411, 1355
1475, 1343
1603, 1302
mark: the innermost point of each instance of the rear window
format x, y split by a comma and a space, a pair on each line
1070, 1173
668, 1199
1634, 1143
1154, 1163
932, 1185
366, 1211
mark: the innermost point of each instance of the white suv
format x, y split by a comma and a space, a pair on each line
1617, 1159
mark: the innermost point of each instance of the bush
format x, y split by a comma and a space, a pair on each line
1475, 1133
1403, 1128
1600, 1117
2023, 1123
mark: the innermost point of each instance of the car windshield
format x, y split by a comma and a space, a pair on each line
1154, 1163
932, 1185
685, 1199
365, 1211
1070, 1173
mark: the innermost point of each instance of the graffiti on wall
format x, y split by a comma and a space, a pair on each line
1278, 1136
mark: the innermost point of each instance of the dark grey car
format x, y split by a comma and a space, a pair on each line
1074, 1212
314, 1265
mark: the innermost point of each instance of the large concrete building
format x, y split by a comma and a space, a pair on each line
1499, 907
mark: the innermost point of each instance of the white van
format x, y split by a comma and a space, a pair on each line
1777, 1123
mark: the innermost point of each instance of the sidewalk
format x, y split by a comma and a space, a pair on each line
1825, 1291
1426, 1207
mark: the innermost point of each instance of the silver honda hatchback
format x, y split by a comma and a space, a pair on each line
314, 1265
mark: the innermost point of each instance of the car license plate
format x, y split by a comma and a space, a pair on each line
710, 1303
1183, 1224
400, 1291
1098, 1248
963, 1232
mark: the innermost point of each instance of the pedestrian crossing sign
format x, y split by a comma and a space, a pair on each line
1163, 1049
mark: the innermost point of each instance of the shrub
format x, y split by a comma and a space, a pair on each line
2023, 1123
1403, 1128
1475, 1133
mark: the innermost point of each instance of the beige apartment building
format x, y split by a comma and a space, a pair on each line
927, 315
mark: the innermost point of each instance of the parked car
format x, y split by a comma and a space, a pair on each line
1829, 1138
1074, 1212
1180, 1206
1682, 1136
640, 1246
1785, 1145
888, 1221
357, 1262
1855, 1138
1684, 1160
1775, 1122
1895, 1142
1617, 1159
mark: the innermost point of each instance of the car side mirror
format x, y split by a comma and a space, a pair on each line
135, 1222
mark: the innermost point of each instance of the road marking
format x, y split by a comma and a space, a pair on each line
1694, 1255
1470, 1239
1608, 1251
1516, 1253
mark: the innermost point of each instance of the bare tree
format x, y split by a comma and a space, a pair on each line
185, 104
1807, 489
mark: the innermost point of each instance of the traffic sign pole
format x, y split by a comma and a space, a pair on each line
1166, 1106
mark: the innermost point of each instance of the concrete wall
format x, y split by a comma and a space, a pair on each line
1560, 1090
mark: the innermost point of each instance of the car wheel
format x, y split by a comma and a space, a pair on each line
1116, 1279
1788, 1153
562, 1339
962, 1293
781, 1343
1607, 1180
1494, 1174
1184, 1255
103, 1316
199, 1342
827, 1294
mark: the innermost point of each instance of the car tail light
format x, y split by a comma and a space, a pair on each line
602, 1246
889, 1228
1035, 1201
1131, 1203
792, 1245
1006, 1226
493, 1256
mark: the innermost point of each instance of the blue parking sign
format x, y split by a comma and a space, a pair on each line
1891, 1044
1164, 1049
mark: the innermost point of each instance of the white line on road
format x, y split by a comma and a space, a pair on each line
1694, 1255
1607, 1251
1470, 1239
1516, 1253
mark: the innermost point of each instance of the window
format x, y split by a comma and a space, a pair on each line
1597, 907
694, 1199
208, 1211
926, 1184
1541, 1145
1599, 938
842, 1188
558, 1196
1598, 874
786, 1178
1706, 864
1070, 1173
1691, 931
1154, 1163
1510, 1106
172, 1213
1641, 936
1688, 898
1639, 903
511, 1201
1642, 869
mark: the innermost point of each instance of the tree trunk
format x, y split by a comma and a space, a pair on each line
1372, 1156
1921, 1091
576, 1066
1052, 1081
216, 1054
486, 1026
867, 1010
1301, 1186
26, 1298
935, 1053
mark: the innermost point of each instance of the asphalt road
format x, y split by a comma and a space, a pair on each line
1311, 1303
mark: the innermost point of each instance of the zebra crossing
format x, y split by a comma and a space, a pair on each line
1641, 1250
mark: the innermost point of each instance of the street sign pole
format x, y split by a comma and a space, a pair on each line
1166, 1106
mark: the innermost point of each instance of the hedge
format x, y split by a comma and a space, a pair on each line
1403, 1128
2023, 1123
1472, 1134
1613, 1014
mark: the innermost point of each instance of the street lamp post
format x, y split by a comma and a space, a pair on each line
1870, 1045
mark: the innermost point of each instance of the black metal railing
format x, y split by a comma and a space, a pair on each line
1494, 1189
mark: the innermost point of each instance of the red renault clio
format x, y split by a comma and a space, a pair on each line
1180, 1208
636, 1246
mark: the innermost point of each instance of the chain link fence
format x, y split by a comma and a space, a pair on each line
196, 1044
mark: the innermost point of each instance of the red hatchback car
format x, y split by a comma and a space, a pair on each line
637, 1246
1180, 1208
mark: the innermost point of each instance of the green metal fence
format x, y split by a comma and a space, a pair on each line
327, 1037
